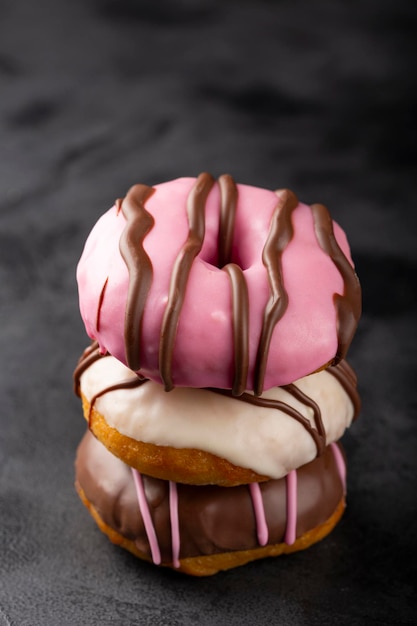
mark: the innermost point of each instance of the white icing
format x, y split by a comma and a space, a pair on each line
267, 441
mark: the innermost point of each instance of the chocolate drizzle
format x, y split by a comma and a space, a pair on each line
348, 305
139, 223
228, 203
317, 432
130, 383
346, 377
88, 357
239, 289
180, 273
240, 318
280, 234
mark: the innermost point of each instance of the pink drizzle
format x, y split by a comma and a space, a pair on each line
290, 532
340, 463
259, 510
257, 503
146, 516
175, 527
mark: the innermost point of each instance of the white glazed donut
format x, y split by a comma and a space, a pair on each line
270, 435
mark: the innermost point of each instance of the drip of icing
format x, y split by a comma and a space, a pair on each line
175, 528
280, 234
88, 357
345, 375
257, 503
239, 289
340, 463
139, 223
228, 194
291, 530
180, 273
348, 305
319, 435
240, 319
131, 383
146, 516
259, 510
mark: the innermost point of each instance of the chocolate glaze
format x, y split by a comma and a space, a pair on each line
342, 371
180, 273
228, 203
88, 357
240, 320
239, 290
280, 234
132, 383
319, 434
211, 519
139, 223
348, 305
347, 378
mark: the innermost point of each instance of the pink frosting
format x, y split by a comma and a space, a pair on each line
259, 510
304, 339
147, 518
291, 530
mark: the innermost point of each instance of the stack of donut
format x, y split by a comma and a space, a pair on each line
216, 386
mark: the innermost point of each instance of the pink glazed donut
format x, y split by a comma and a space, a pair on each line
204, 283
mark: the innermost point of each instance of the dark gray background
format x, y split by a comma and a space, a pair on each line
96, 95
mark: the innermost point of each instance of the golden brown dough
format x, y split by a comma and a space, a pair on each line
182, 465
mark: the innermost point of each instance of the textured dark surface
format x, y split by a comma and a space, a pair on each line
97, 95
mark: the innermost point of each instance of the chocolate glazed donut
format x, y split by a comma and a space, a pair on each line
201, 530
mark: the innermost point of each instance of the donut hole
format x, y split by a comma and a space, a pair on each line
238, 238
247, 249
239, 257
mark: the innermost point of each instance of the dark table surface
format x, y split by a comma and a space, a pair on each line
96, 95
